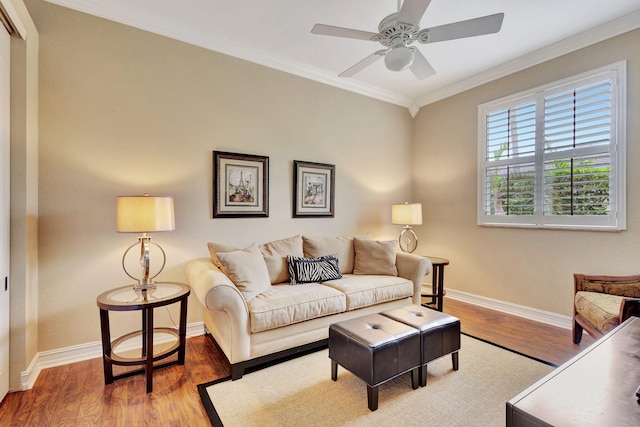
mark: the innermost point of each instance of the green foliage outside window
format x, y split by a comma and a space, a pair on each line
583, 192
586, 192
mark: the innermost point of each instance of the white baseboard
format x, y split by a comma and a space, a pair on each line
542, 316
78, 353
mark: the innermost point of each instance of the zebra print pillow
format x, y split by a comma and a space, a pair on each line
309, 270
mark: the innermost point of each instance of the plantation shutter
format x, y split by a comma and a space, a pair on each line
509, 155
577, 161
555, 156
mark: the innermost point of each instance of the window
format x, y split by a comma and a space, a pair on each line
554, 156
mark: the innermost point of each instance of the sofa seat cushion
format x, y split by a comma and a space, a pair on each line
283, 305
601, 310
366, 290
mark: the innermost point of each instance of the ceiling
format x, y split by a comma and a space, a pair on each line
276, 33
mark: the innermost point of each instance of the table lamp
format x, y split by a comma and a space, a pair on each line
407, 214
144, 214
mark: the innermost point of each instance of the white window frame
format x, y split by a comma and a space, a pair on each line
616, 220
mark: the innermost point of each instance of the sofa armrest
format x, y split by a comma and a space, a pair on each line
214, 289
224, 306
414, 268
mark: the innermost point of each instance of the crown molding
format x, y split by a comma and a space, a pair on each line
166, 28
595, 35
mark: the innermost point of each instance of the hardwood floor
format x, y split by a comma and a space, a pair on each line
538, 340
75, 394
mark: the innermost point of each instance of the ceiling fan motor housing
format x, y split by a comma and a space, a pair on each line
392, 33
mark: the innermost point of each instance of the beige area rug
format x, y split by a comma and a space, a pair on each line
300, 392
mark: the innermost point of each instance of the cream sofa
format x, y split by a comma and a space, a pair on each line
255, 314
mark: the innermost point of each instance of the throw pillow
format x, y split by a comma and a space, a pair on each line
247, 270
342, 247
375, 257
310, 270
275, 256
214, 248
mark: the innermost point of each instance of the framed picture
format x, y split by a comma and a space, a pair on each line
240, 185
313, 189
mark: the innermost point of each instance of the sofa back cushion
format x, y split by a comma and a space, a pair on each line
341, 247
375, 257
247, 270
275, 256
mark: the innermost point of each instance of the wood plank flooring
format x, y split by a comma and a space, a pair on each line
75, 394
538, 340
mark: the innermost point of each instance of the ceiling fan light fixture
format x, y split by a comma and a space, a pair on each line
399, 58
398, 31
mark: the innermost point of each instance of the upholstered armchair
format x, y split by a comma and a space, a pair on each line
603, 302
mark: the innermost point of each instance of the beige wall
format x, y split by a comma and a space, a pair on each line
533, 268
123, 111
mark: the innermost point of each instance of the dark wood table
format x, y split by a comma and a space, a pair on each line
595, 388
127, 299
437, 283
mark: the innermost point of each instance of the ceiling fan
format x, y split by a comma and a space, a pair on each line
398, 31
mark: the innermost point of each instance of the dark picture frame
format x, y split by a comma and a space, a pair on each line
240, 185
313, 189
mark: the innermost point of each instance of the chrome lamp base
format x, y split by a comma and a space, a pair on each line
145, 281
408, 240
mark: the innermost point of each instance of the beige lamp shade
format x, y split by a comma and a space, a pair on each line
143, 214
406, 214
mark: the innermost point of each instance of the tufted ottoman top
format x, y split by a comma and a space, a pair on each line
420, 317
374, 330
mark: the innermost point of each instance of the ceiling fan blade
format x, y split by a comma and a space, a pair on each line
457, 30
421, 67
330, 30
349, 72
412, 11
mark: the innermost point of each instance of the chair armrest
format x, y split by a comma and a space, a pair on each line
629, 307
624, 286
414, 268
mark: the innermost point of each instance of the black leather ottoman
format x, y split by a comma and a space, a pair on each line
376, 349
439, 334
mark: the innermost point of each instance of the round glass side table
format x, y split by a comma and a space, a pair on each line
126, 298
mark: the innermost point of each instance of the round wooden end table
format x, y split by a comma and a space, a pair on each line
126, 298
437, 283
